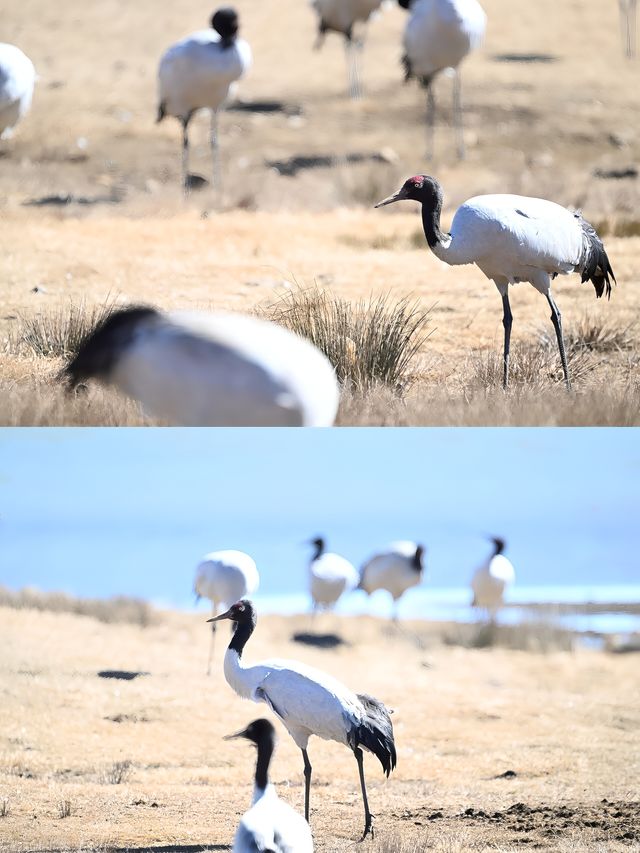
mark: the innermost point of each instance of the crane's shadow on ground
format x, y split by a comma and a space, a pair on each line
318, 641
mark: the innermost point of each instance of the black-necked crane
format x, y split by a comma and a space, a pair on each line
513, 238
200, 369
310, 702
224, 577
270, 825
329, 575
396, 569
491, 580
342, 16
439, 35
17, 79
199, 72
628, 26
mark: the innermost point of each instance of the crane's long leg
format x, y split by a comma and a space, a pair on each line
352, 49
507, 322
307, 783
185, 155
431, 120
215, 153
368, 817
557, 324
628, 26
214, 610
457, 115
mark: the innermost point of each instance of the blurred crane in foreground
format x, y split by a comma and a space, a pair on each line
270, 824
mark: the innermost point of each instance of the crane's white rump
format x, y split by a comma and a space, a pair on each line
17, 79
198, 369
310, 702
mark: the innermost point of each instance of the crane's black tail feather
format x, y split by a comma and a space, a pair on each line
375, 733
596, 267
162, 111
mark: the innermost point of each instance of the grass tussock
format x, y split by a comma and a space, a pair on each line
5, 809
594, 336
538, 636
117, 773
534, 366
369, 343
120, 609
58, 333
64, 809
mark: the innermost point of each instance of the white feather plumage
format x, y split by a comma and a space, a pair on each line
17, 79
393, 569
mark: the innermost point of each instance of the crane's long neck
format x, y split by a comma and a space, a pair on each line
417, 559
238, 676
438, 242
265, 751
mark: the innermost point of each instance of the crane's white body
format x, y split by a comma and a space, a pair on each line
490, 582
307, 700
515, 238
440, 33
198, 73
271, 824
225, 577
17, 79
329, 576
341, 15
392, 570
197, 369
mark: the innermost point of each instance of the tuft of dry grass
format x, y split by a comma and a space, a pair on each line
535, 366
64, 809
369, 343
116, 773
58, 333
5, 809
121, 609
592, 335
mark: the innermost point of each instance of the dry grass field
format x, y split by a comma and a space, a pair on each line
498, 749
91, 207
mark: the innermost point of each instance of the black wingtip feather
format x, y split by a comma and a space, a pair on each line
375, 733
597, 267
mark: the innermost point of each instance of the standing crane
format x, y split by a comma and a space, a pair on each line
341, 16
396, 569
310, 702
513, 238
490, 581
270, 824
199, 72
628, 26
224, 577
439, 35
199, 369
17, 79
329, 575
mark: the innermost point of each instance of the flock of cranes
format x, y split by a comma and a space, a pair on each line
308, 701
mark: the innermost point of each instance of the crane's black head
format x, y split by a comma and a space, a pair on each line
101, 348
422, 188
259, 731
242, 613
404, 3
418, 559
500, 544
225, 23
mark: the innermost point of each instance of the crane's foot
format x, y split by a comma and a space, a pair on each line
368, 828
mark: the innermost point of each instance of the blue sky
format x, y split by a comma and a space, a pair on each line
102, 512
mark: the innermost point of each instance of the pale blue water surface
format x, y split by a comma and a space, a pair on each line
98, 512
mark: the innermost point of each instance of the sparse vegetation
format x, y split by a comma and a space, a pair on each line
5, 809
117, 609
59, 332
594, 335
64, 809
368, 343
116, 773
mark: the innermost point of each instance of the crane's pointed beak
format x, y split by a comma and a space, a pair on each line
241, 733
399, 196
225, 615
